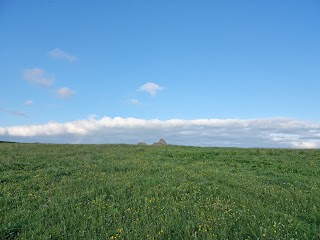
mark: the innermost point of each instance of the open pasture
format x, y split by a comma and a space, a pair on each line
157, 192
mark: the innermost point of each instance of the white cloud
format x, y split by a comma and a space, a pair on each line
38, 77
134, 101
65, 92
59, 54
28, 102
17, 113
150, 88
14, 112
273, 132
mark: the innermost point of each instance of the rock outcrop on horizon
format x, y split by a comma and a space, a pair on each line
161, 142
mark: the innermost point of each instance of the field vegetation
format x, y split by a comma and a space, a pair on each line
52, 191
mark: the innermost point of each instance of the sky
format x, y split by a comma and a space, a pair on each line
206, 73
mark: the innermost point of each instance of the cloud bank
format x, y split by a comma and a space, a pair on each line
273, 132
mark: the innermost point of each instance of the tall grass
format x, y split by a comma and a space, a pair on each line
157, 192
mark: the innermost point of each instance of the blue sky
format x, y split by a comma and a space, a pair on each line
68, 61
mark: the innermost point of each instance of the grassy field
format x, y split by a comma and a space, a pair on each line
157, 192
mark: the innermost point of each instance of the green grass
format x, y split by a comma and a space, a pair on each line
157, 192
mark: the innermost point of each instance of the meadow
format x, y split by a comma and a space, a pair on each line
50, 191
